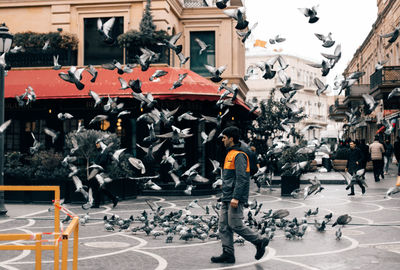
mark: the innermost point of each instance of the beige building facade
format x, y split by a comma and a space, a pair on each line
375, 48
315, 107
378, 83
173, 16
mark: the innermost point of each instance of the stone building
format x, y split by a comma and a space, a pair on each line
315, 107
377, 82
194, 18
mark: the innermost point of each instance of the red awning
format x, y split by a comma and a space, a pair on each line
48, 85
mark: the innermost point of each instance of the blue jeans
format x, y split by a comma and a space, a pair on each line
388, 160
230, 221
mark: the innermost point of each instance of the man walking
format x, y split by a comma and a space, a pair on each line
97, 180
235, 193
388, 155
396, 150
365, 151
376, 151
354, 163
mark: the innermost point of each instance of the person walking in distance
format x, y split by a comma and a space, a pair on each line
235, 193
388, 155
96, 179
365, 151
354, 163
396, 150
376, 151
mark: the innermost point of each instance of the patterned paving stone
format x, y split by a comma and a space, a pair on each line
361, 246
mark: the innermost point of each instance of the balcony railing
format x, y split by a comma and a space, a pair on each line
347, 92
332, 109
387, 75
198, 3
133, 53
40, 58
357, 90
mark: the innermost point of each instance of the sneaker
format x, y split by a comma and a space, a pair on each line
115, 201
87, 205
223, 258
351, 194
261, 245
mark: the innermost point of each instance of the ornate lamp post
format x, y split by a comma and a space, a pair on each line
5, 44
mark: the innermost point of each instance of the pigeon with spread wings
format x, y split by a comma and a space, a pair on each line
105, 29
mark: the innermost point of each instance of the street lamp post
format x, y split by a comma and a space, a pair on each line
5, 44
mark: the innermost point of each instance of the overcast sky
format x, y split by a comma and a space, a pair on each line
350, 21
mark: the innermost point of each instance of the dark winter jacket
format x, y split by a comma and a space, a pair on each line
397, 150
101, 158
236, 175
388, 150
365, 151
354, 155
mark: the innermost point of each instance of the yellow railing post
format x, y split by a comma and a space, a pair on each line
64, 253
38, 247
57, 227
38, 250
65, 236
57, 256
75, 249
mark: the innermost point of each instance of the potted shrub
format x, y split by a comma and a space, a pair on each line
43, 168
288, 161
86, 153
17, 171
47, 171
32, 54
146, 37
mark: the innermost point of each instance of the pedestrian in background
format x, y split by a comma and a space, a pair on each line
388, 155
102, 159
254, 151
376, 151
366, 156
354, 162
396, 150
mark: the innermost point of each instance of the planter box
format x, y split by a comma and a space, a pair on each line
30, 196
339, 164
288, 184
123, 187
313, 166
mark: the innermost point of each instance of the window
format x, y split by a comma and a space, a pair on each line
97, 49
104, 125
198, 61
34, 127
12, 138
71, 125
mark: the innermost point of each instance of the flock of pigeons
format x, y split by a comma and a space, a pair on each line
186, 226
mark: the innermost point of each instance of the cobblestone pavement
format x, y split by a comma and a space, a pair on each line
372, 240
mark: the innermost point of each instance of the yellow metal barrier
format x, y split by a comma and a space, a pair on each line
37, 237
